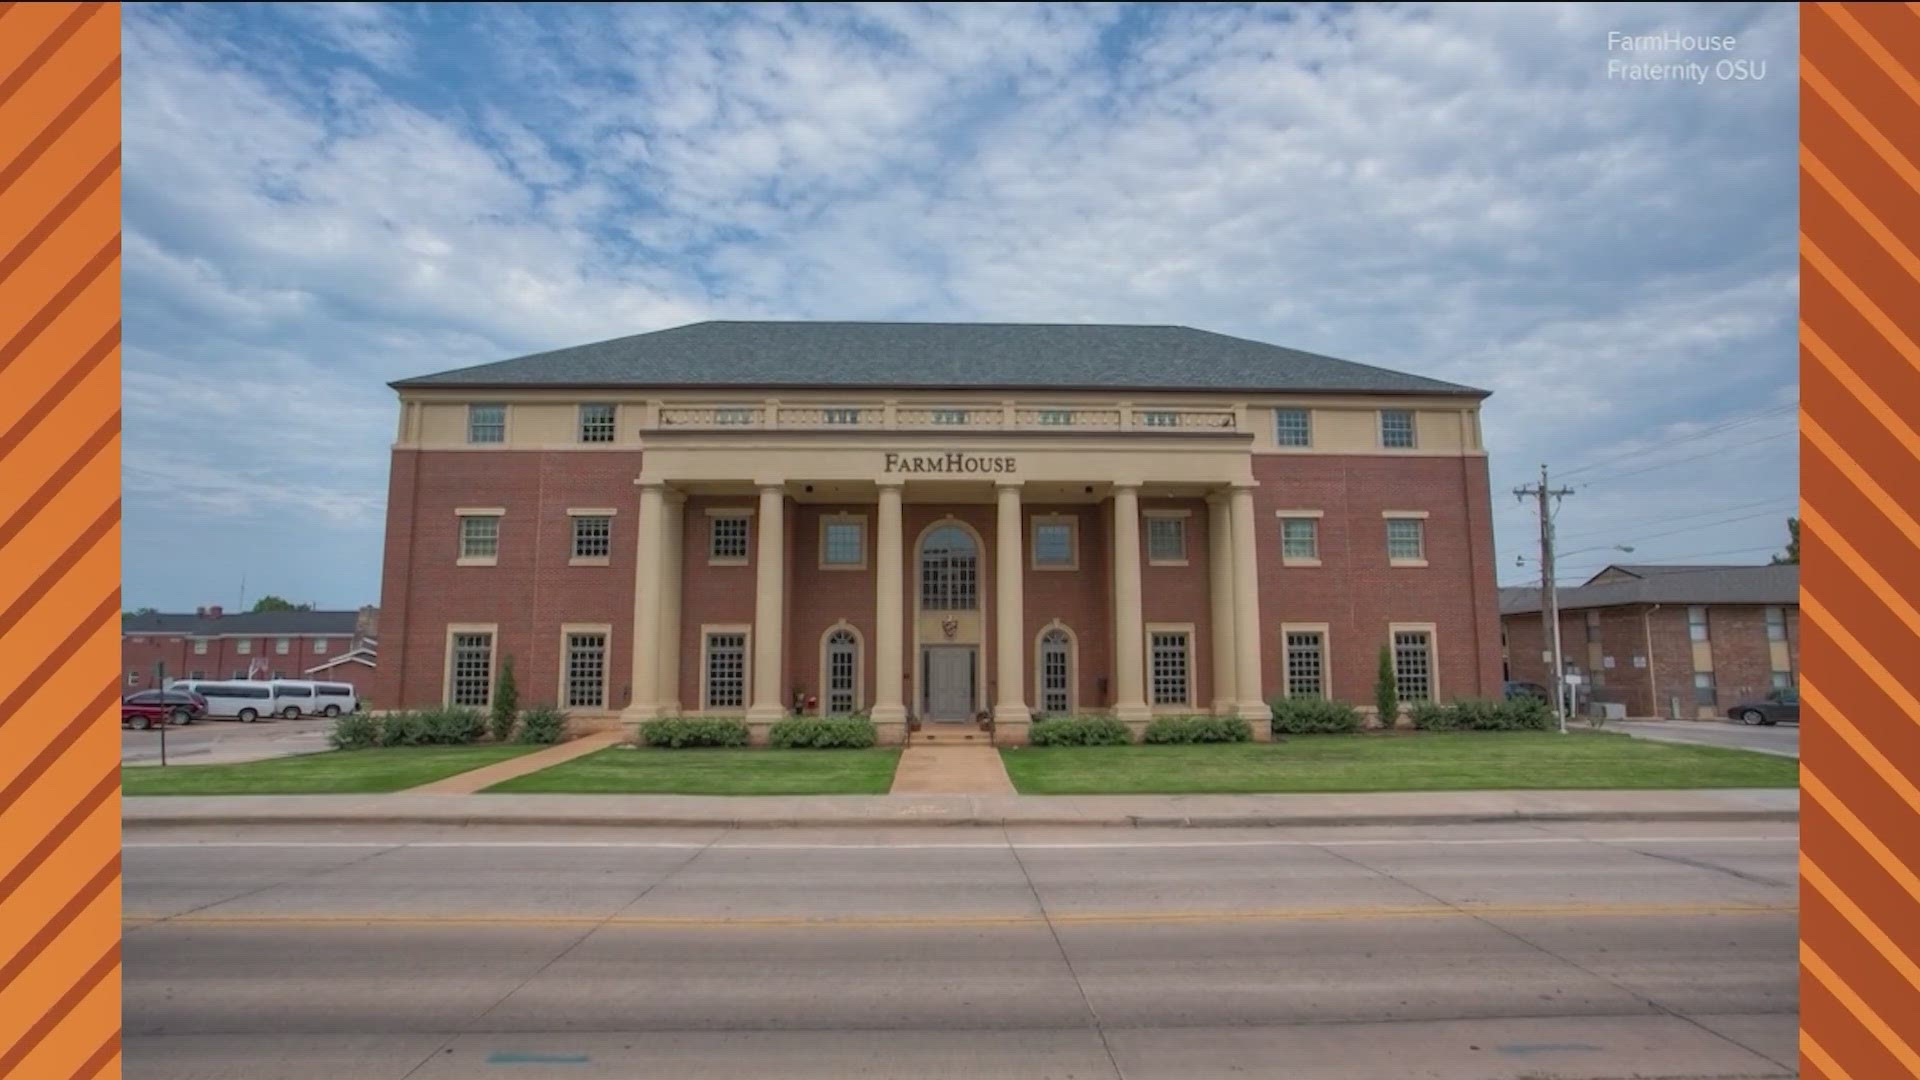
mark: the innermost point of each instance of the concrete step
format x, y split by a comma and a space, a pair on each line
950, 735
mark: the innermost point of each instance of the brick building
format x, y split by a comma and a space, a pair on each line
934, 521
329, 646
1682, 642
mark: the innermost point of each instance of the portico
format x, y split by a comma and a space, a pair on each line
958, 645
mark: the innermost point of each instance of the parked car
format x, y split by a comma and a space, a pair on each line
149, 707
1525, 690
1779, 705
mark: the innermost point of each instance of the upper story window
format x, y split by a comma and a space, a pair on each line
1166, 539
1159, 418
842, 541
1697, 623
1292, 427
733, 416
949, 416
843, 416
486, 423
728, 541
1396, 428
1776, 624
596, 423
479, 536
1406, 539
949, 570
592, 536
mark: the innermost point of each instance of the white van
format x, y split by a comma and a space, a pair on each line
241, 700
334, 698
292, 698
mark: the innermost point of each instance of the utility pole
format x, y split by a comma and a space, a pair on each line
1549, 592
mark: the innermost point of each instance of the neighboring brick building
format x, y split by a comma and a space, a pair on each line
1683, 642
937, 521
329, 646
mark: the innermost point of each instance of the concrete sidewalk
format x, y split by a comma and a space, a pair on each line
484, 777
1124, 811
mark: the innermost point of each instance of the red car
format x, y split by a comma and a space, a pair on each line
149, 707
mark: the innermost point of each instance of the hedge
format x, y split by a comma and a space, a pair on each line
542, 725
1199, 729
1313, 716
683, 731
1475, 714
822, 733
355, 731
1079, 731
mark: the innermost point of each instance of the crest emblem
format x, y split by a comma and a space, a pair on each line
950, 626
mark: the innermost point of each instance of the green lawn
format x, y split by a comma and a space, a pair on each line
1394, 762
716, 771
338, 772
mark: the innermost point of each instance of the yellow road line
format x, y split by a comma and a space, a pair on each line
699, 922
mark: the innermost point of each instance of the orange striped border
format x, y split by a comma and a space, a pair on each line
1860, 535
59, 540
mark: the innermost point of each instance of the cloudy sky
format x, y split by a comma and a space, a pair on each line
321, 199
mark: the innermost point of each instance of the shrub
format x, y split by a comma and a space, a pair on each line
1199, 729
1478, 714
683, 731
1526, 714
1386, 689
542, 725
355, 731
1433, 716
1313, 715
1079, 731
822, 732
506, 702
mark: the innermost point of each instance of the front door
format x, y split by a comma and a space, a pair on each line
948, 682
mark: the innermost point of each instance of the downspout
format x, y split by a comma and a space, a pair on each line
1653, 685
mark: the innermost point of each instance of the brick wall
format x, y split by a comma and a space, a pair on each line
140, 652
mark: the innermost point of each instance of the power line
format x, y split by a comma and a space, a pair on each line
1773, 505
1710, 554
1722, 451
1702, 525
1683, 439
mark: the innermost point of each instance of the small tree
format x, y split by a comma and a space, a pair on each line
506, 702
271, 602
1386, 689
1792, 554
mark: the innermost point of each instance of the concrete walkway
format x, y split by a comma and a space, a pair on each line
467, 783
1141, 811
951, 770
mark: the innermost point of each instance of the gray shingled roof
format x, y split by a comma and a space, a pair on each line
1671, 585
243, 622
939, 355
1643, 570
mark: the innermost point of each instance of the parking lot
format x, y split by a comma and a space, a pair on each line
208, 742
1782, 739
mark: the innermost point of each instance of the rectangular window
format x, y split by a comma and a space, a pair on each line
1159, 418
1292, 427
1306, 663
726, 671
472, 681
240, 676
1697, 623
1166, 540
244, 647
1593, 628
586, 671
1056, 417
841, 546
949, 416
1776, 624
1169, 667
847, 417
1703, 688
731, 417
200, 646
486, 423
479, 537
1396, 428
1299, 538
728, 542
1053, 543
1413, 664
596, 423
279, 675
280, 646
1783, 680
1406, 538
319, 646
592, 537
196, 674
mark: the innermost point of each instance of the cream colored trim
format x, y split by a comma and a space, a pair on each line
865, 541
1165, 512
1073, 668
604, 511
480, 511
1146, 636
590, 560
859, 666
567, 630
1300, 513
1147, 518
984, 630
1326, 654
707, 630
731, 511
1421, 514
1413, 564
446, 662
1433, 650
1072, 522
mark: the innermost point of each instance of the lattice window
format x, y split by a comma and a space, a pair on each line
949, 571
1292, 427
486, 423
596, 423
729, 539
1299, 538
1306, 664
726, 671
592, 537
586, 671
1703, 689
1166, 539
1406, 538
1697, 623
1055, 673
843, 543
842, 665
1776, 624
1413, 664
1396, 428
479, 537
1053, 543
1170, 680
472, 669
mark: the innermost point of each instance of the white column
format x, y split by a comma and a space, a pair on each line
643, 697
889, 560
673, 548
1129, 631
1246, 617
769, 619
1226, 689
1010, 703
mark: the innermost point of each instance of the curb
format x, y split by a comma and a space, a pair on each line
1131, 821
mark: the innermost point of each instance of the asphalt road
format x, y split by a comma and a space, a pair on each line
210, 742
1780, 739
1506, 951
